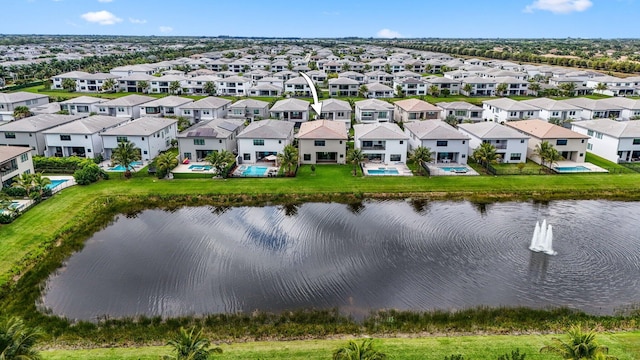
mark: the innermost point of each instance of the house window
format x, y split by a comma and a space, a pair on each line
101, 109
246, 156
589, 146
10, 135
121, 139
256, 111
205, 112
186, 112
198, 141
442, 143
145, 152
319, 143
258, 142
636, 141
513, 113
561, 142
590, 132
401, 142
572, 113
515, 156
24, 157
598, 135
395, 157
341, 114
120, 109
383, 115
307, 157
65, 137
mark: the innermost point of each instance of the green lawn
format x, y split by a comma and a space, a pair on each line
625, 346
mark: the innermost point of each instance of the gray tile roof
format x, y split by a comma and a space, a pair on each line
458, 105
210, 102
142, 126
38, 123
267, 129
249, 103
83, 100
550, 104
88, 125
216, 128
129, 100
379, 131
9, 98
490, 130
335, 105
291, 105
617, 129
434, 130
510, 105
591, 104
374, 104
168, 101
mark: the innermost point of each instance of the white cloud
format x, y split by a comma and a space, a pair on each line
559, 6
101, 17
388, 34
105, 1
137, 21
165, 29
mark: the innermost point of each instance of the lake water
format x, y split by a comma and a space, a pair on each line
388, 254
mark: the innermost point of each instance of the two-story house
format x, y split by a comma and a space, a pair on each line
616, 141
209, 136
322, 142
150, 135
28, 132
446, 144
505, 109
263, 138
511, 145
382, 142
415, 110
14, 161
571, 145
373, 111
10, 101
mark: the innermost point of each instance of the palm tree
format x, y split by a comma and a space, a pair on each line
355, 157
451, 120
421, 155
191, 346
124, 155
24, 181
209, 87
581, 346
485, 154
542, 150
534, 87
40, 183
220, 160
164, 163
358, 351
69, 84
434, 90
174, 86
17, 340
109, 85
399, 91
568, 89
467, 88
143, 85
601, 86
553, 156
363, 91
501, 89
387, 68
289, 159
21, 112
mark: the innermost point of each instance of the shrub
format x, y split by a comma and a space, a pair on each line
89, 173
57, 164
6, 218
15, 191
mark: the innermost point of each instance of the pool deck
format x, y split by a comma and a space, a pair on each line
105, 165
590, 166
402, 169
184, 168
436, 170
70, 181
272, 171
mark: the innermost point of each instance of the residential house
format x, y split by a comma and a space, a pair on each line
322, 142
206, 109
126, 106
10, 101
478, 86
511, 145
447, 145
249, 109
378, 91
209, 136
233, 86
462, 110
571, 145
379, 77
164, 84
29, 131
415, 109
151, 135
505, 109
263, 138
553, 109
297, 86
83, 105
136, 82
197, 84
166, 106
381, 142
445, 86
614, 86
14, 161
85, 82
343, 87
630, 107
359, 77
373, 111
409, 87
337, 110
596, 109
515, 86
294, 110
616, 141
80, 137
129, 70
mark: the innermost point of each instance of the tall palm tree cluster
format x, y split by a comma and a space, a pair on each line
547, 153
124, 155
34, 185
288, 159
485, 154
221, 160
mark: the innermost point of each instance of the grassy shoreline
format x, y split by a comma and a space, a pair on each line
38, 242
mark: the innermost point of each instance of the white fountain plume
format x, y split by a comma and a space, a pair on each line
542, 239
534, 239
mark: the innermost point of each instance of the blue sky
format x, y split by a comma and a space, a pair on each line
326, 18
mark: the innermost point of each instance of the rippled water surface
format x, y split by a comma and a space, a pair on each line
392, 254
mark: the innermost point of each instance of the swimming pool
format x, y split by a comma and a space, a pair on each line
55, 183
455, 169
383, 171
200, 167
121, 168
253, 170
578, 168
16, 205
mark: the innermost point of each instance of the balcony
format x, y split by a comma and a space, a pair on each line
6, 169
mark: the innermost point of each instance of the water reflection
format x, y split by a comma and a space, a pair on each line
356, 257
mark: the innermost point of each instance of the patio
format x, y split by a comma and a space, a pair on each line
451, 169
373, 168
202, 167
